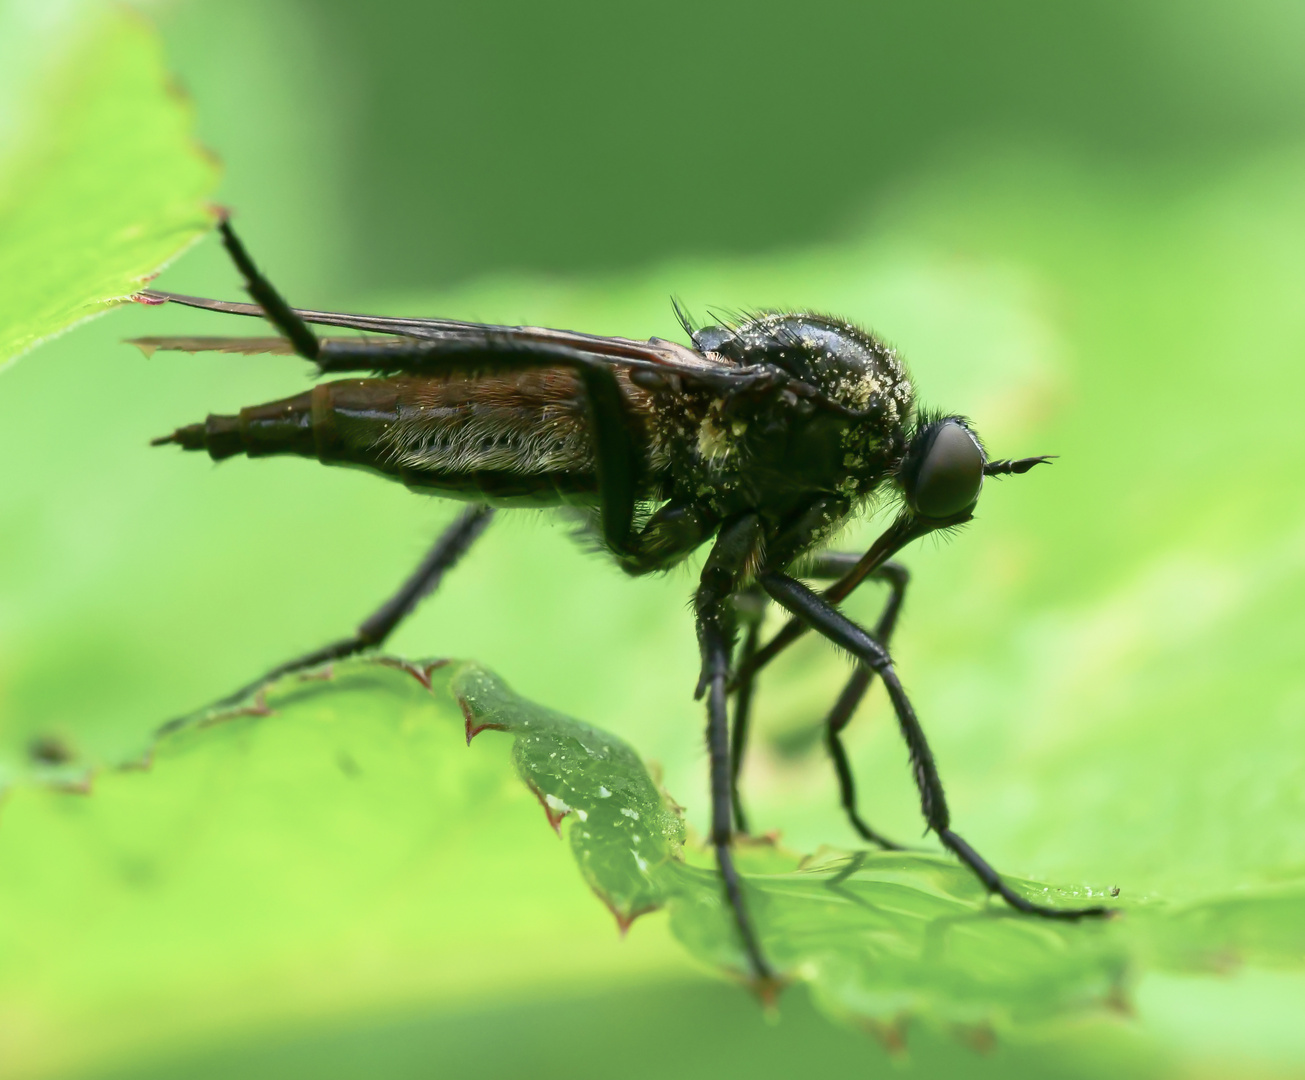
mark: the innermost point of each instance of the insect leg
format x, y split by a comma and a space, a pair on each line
614, 454
487, 347
736, 544
278, 312
751, 605
833, 625
673, 533
832, 564
900, 533
835, 564
447, 550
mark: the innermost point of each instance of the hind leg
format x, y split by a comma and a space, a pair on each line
442, 557
616, 457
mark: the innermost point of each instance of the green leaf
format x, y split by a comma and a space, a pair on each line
198, 884
880, 937
101, 182
624, 835
227, 837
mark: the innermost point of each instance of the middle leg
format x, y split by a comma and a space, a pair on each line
734, 547
750, 606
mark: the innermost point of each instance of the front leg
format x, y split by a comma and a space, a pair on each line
836, 627
734, 549
835, 565
906, 528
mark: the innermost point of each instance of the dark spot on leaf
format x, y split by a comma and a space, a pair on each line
50, 750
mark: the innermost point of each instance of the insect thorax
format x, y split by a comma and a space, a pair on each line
773, 450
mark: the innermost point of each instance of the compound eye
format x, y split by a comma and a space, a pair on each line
950, 474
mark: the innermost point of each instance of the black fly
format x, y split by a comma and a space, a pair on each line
764, 438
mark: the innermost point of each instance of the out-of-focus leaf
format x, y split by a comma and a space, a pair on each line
101, 182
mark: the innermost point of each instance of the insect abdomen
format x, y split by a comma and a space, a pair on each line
305, 424
279, 427
518, 439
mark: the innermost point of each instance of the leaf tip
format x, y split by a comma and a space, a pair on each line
625, 919
978, 1037
473, 725
890, 1034
554, 808
421, 672
81, 785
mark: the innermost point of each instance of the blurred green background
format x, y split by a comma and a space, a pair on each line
1081, 223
